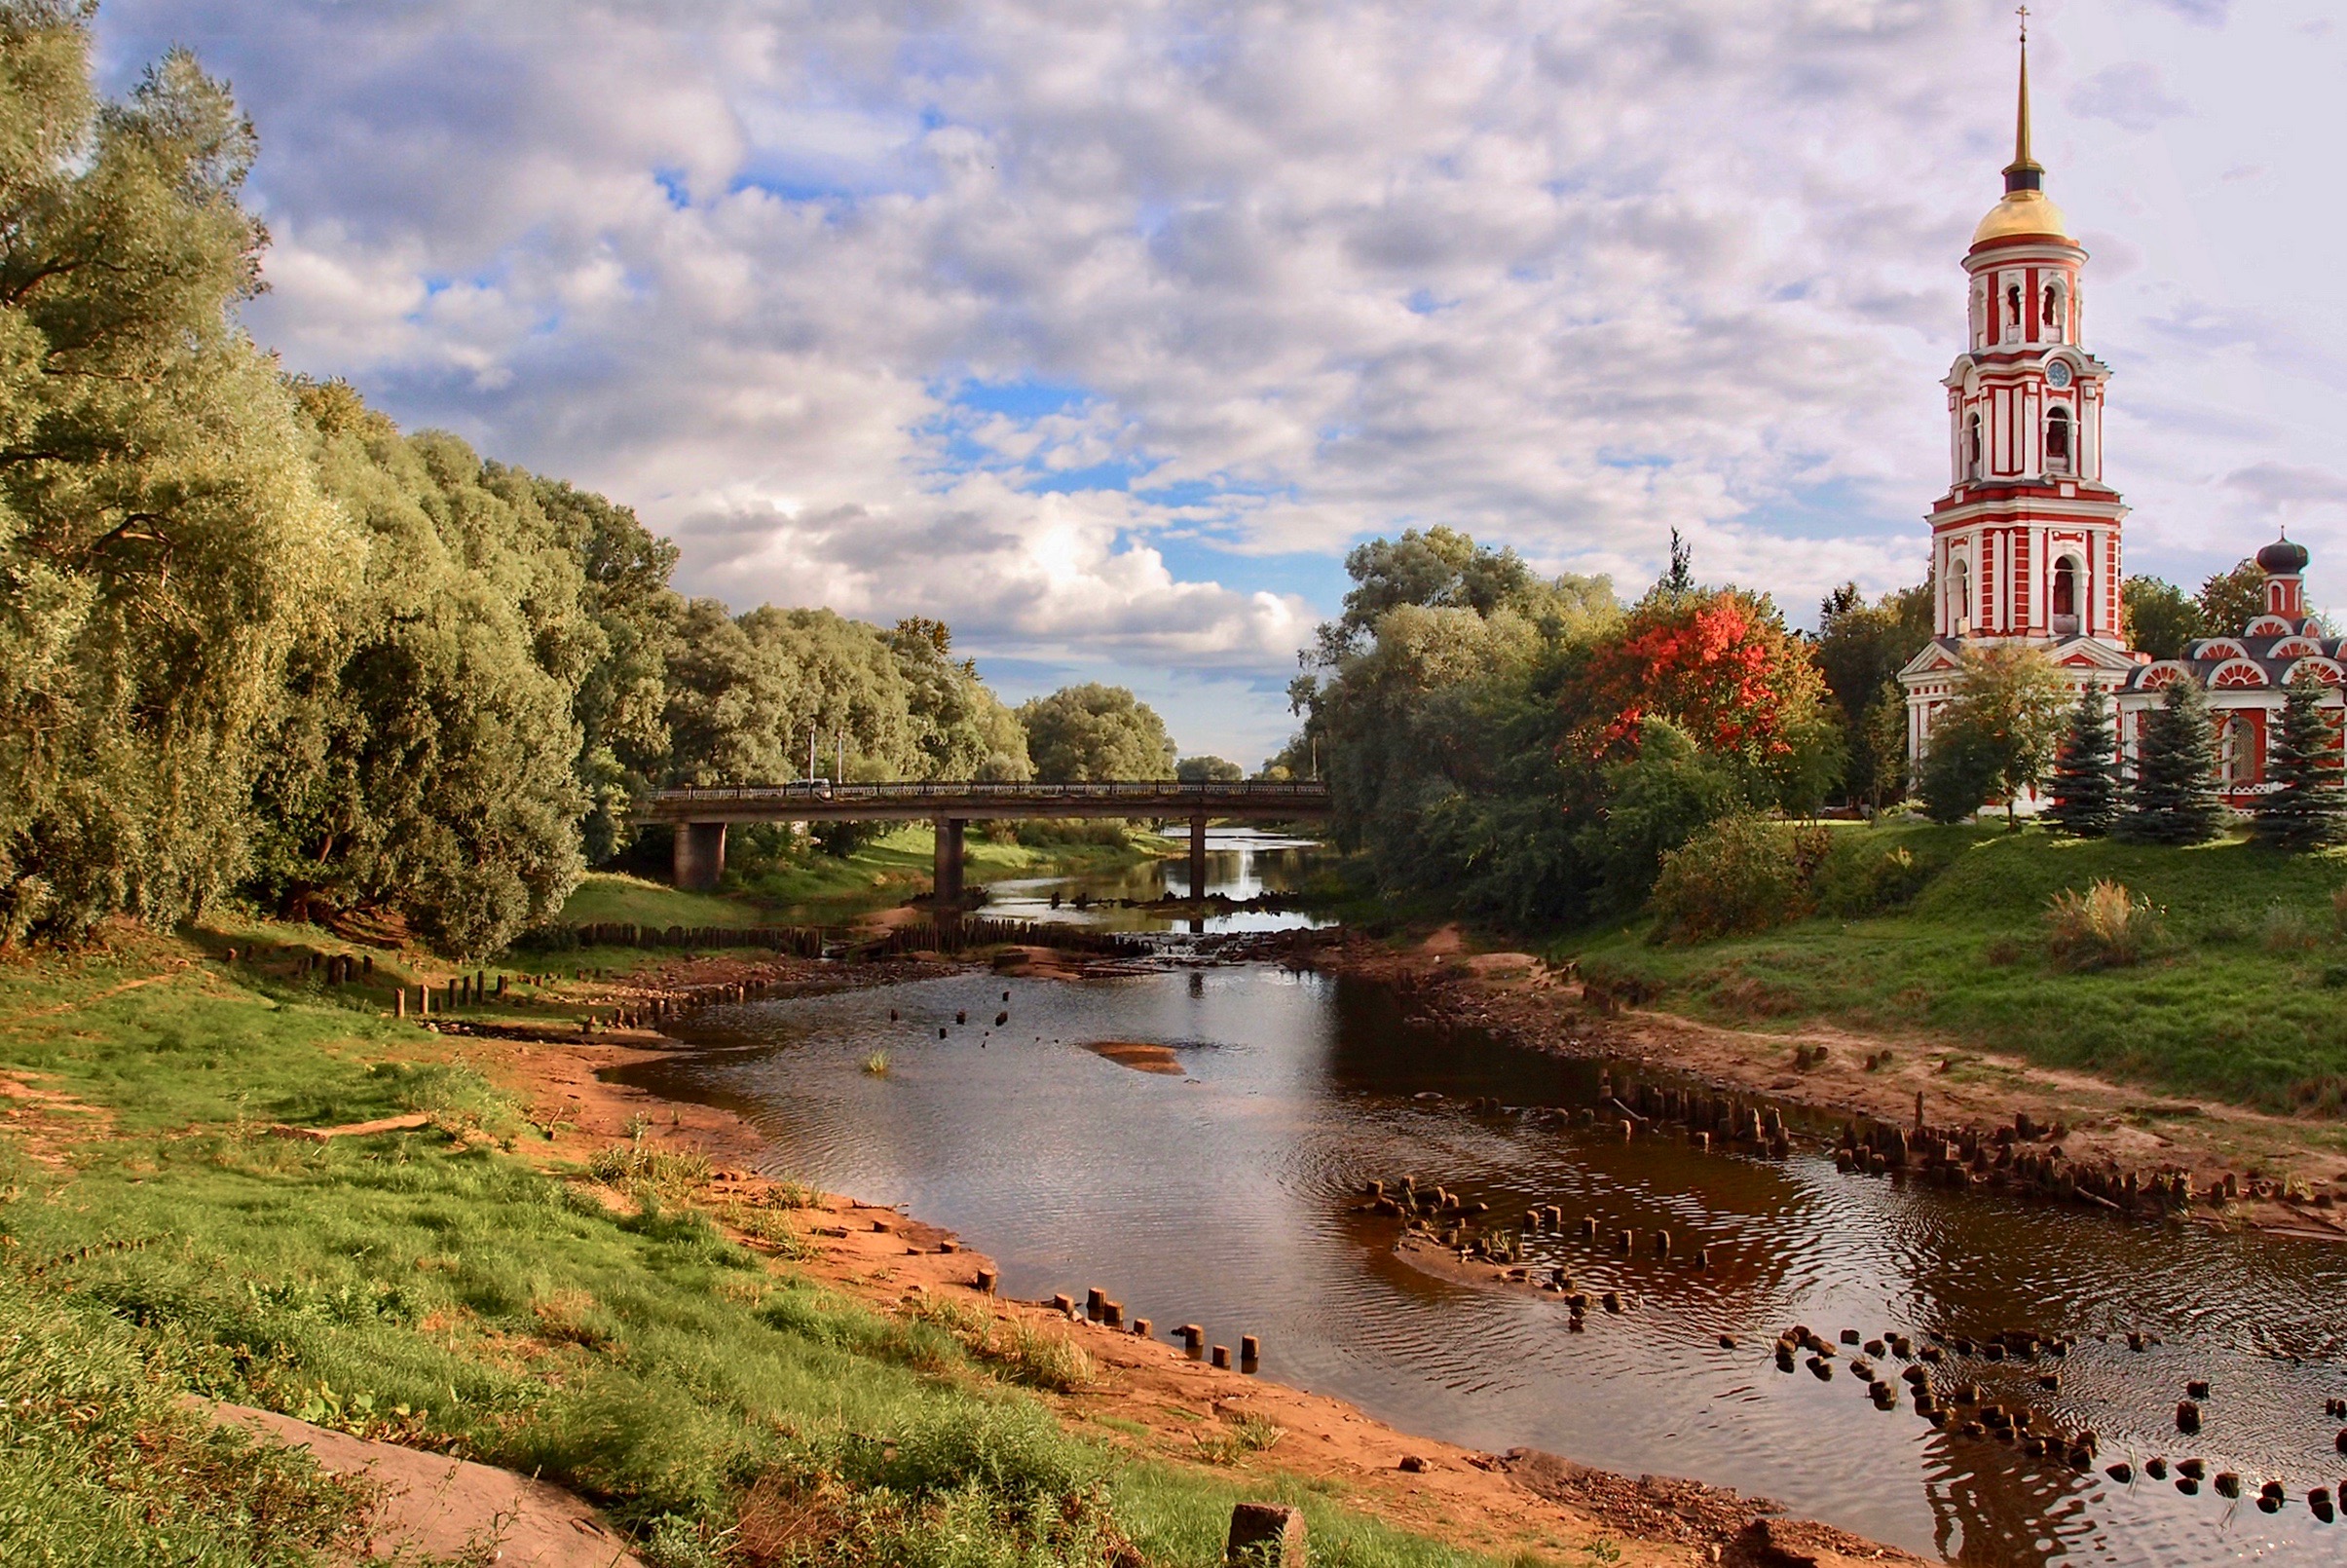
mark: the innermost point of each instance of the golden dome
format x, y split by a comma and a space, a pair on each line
2021, 212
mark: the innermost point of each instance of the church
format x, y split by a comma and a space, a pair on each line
2026, 543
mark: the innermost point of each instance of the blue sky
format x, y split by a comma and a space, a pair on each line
1104, 332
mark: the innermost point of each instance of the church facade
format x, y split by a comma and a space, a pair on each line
2026, 545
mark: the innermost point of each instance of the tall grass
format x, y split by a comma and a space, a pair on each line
2105, 927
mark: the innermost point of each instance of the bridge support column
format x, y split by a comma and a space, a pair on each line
1197, 860
947, 872
701, 855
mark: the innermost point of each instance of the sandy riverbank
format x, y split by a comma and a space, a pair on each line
2291, 1173
1148, 1395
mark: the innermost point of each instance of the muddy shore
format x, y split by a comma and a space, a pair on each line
2023, 1130
1148, 1395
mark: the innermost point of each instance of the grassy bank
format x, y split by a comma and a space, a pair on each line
452, 1287
1940, 934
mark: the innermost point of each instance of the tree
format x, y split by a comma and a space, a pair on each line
1442, 569
1081, 734
1884, 728
1208, 770
2307, 807
1655, 803
2172, 797
1997, 735
2231, 599
1721, 665
1678, 580
1859, 649
163, 541
2086, 775
2160, 618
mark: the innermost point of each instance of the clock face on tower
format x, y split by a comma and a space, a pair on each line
2056, 374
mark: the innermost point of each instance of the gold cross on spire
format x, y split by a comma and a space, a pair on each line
2024, 14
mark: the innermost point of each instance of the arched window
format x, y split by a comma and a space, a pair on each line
2057, 439
2065, 595
1960, 595
2013, 316
2053, 305
1974, 455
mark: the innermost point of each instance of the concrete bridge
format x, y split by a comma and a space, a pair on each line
702, 814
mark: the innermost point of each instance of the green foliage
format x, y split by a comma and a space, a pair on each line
2160, 618
2307, 807
1740, 874
2172, 797
163, 544
1208, 770
1081, 734
256, 640
1860, 650
2086, 776
2228, 601
1655, 803
1995, 737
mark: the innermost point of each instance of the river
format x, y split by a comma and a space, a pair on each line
1227, 1194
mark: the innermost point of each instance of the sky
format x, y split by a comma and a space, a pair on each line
1102, 332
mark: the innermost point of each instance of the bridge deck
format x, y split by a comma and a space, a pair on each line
967, 800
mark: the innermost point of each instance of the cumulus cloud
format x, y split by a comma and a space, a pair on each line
997, 309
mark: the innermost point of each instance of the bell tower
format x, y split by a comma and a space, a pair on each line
2025, 541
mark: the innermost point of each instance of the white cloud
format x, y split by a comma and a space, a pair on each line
1567, 277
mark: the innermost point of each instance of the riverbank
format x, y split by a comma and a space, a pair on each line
2287, 1173
472, 1244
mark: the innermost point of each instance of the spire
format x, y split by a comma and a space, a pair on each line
2023, 173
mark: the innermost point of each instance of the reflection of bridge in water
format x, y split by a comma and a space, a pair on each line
702, 814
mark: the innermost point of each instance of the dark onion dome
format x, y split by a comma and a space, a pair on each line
2282, 558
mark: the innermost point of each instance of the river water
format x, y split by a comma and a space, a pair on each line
1227, 1195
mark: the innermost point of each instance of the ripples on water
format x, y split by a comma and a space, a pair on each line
1226, 1197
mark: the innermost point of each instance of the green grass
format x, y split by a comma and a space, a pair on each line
436, 1288
614, 897
2242, 999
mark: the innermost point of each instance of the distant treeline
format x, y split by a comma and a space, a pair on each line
1534, 752
257, 643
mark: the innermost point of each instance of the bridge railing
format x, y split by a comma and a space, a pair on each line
823, 792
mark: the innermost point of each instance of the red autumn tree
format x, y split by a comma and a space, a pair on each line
1721, 665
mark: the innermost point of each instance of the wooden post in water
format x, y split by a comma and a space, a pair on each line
1197, 859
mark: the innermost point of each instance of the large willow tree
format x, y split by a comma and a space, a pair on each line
163, 541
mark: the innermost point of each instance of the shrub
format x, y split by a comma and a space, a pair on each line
2288, 928
1738, 875
2105, 927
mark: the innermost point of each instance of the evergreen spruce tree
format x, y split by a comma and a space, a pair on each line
2171, 799
2307, 808
2086, 777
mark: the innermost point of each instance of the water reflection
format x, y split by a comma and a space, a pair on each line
1242, 863
1225, 1196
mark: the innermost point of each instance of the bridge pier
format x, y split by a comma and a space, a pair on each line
1198, 860
947, 875
701, 855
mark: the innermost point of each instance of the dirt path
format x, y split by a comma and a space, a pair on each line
2290, 1174
452, 1509
1149, 1397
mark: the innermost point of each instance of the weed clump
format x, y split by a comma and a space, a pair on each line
2105, 927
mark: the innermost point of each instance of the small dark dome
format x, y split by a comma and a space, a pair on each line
2282, 558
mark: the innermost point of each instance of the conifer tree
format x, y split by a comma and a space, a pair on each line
2086, 777
2171, 799
2307, 808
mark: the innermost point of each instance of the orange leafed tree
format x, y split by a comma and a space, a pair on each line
1718, 663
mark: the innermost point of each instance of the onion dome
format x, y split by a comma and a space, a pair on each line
2024, 208
2282, 558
